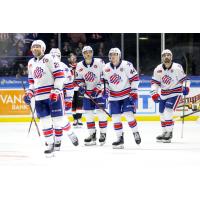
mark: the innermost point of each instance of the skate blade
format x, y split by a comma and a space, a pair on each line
102, 143
118, 147
159, 141
166, 141
75, 143
138, 142
56, 148
90, 144
50, 155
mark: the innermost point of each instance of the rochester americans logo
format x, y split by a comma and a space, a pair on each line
90, 76
166, 79
38, 72
115, 79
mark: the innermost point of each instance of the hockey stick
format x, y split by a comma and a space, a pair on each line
94, 102
31, 123
23, 86
184, 98
183, 116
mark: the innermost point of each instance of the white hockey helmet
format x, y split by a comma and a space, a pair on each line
41, 43
87, 48
166, 51
55, 53
114, 50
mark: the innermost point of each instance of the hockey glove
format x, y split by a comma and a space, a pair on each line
54, 95
96, 91
27, 97
186, 90
133, 97
156, 97
68, 103
82, 90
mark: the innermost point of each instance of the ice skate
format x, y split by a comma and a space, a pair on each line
167, 137
73, 139
137, 137
159, 138
49, 152
119, 144
91, 140
102, 139
57, 146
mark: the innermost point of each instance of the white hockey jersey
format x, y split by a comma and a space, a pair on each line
170, 81
69, 80
90, 75
43, 75
121, 80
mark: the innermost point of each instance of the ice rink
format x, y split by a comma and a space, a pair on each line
149, 171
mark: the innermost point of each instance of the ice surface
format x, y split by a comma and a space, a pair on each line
149, 171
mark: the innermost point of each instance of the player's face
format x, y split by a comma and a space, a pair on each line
88, 55
73, 59
167, 58
114, 58
36, 50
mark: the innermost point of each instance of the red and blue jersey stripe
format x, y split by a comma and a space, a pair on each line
134, 78
153, 81
43, 90
59, 74
120, 93
171, 91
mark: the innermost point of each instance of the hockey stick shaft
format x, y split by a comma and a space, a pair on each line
29, 130
183, 116
184, 99
23, 86
94, 101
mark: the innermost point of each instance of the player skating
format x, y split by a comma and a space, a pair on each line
122, 82
170, 78
89, 78
46, 79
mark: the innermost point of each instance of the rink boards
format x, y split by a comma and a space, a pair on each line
13, 109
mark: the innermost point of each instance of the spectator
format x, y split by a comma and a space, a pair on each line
66, 50
101, 50
77, 37
19, 63
95, 37
78, 50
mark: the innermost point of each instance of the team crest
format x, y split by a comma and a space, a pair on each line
38, 72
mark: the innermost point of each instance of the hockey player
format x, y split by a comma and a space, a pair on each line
68, 93
122, 82
170, 78
46, 79
77, 102
88, 77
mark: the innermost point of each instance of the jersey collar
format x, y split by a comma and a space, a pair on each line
163, 65
84, 63
115, 66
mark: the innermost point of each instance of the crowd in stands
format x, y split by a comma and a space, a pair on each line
15, 48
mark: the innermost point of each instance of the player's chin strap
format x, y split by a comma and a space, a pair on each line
94, 101
33, 118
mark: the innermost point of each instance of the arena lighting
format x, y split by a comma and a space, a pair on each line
143, 38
